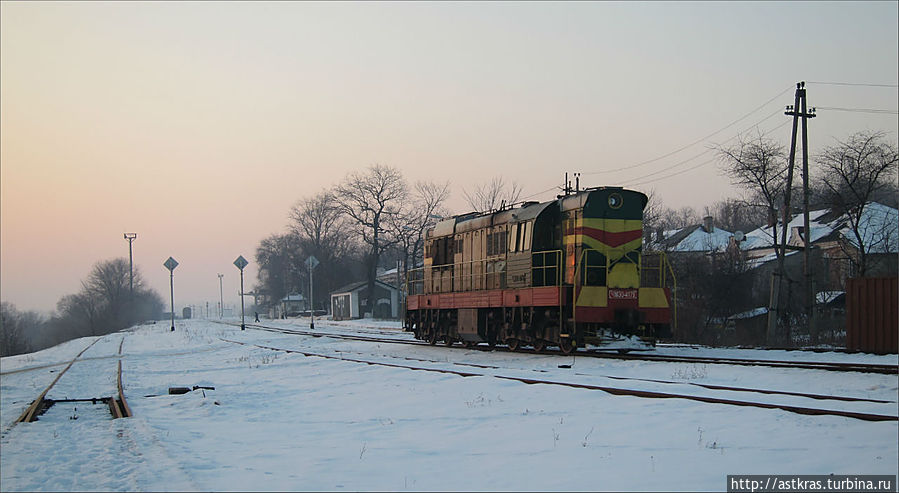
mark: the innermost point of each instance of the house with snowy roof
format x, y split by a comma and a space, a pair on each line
697, 238
832, 235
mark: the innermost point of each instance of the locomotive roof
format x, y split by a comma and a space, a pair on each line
524, 212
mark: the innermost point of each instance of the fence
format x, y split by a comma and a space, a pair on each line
872, 314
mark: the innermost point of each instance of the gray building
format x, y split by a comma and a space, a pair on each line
350, 301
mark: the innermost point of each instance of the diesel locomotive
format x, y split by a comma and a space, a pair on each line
569, 272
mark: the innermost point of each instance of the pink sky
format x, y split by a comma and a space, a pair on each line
198, 125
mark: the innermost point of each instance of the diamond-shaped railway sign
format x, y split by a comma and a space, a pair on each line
170, 264
312, 262
241, 262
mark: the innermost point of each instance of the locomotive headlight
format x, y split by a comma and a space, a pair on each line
615, 200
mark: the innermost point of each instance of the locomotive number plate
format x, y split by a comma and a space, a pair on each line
622, 294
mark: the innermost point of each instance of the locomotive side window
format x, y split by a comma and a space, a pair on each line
526, 236
513, 230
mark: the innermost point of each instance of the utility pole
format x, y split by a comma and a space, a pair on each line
131, 237
777, 280
806, 232
797, 110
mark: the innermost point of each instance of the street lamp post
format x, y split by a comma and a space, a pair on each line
221, 297
240, 263
170, 264
131, 237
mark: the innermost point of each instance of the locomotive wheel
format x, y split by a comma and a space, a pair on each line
470, 344
448, 342
566, 345
513, 344
539, 345
432, 337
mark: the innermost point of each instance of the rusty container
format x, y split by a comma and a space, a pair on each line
872, 315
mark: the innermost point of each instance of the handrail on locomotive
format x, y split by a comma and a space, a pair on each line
661, 272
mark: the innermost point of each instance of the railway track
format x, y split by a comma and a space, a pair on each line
826, 366
118, 406
815, 411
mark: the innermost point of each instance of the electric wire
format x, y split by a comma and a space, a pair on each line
634, 181
716, 132
642, 179
685, 161
537, 194
859, 110
862, 84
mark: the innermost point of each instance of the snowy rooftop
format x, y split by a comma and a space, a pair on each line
696, 239
879, 229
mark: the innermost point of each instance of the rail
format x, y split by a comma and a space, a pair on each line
613, 390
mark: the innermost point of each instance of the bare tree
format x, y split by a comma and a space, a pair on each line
109, 283
652, 219
493, 195
758, 166
854, 171
105, 303
368, 198
279, 258
736, 215
81, 312
409, 226
323, 231
14, 329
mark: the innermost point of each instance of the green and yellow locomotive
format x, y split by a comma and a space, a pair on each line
567, 273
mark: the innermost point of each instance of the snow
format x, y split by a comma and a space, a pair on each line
879, 228
280, 421
825, 297
755, 312
701, 241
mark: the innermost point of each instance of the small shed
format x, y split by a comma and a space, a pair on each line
350, 301
292, 305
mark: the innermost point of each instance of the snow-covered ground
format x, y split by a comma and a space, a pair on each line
280, 421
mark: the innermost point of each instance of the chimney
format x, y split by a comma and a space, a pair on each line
772, 217
659, 235
708, 224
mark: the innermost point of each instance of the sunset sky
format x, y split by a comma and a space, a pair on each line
198, 125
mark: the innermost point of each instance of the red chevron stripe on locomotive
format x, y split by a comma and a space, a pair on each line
609, 238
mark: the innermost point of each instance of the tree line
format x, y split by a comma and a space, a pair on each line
105, 304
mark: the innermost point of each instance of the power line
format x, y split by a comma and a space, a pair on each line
859, 110
635, 181
681, 163
862, 84
705, 152
738, 120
